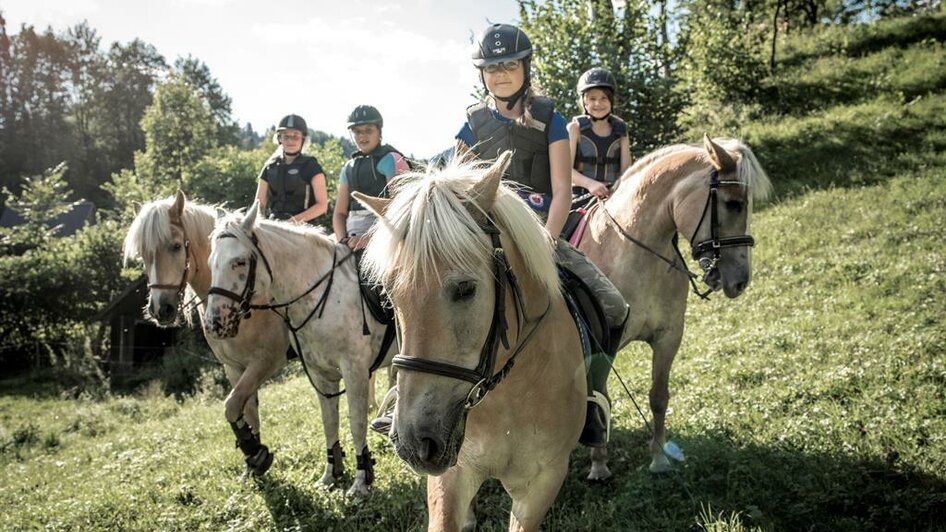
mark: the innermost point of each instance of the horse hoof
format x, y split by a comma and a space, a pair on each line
599, 474
326, 482
358, 491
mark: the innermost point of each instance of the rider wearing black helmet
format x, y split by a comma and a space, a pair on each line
598, 139
368, 171
514, 117
292, 185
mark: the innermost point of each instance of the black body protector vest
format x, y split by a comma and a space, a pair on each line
289, 192
530, 144
600, 157
366, 178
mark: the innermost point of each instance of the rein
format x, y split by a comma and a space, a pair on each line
714, 243
244, 299
482, 377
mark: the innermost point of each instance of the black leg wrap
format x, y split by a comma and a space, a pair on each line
366, 463
259, 463
336, 457
595, 431
248, 442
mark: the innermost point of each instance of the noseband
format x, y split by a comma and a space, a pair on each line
482, 376
180, 287
714, 244
245, 298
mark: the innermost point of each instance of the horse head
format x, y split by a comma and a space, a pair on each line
717, 210
233, 262
436, 250
158, 236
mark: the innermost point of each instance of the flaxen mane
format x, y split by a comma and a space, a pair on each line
428, 228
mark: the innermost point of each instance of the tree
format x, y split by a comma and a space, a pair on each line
218, 103
179, 131
42, 199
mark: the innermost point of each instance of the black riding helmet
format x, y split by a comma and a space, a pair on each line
293, 122
499, 43
365, 114
596, 78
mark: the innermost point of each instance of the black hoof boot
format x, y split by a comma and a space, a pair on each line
336, 457
366, 463
260, 463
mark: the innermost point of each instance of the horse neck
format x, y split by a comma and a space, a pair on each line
644, 205
297, 259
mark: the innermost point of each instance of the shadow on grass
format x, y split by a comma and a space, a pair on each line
772, 487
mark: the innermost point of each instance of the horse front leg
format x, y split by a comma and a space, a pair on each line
531, 500
357, 386
664, 351
335, 465
242, 413
450, 499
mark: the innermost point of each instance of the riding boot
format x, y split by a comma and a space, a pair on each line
597, 429
385, 418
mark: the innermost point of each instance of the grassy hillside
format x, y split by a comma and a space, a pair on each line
816, 401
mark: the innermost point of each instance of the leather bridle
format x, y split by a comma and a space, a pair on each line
482, 376
182, 286
715, 243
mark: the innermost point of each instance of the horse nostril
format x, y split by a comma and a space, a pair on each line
166, 310
740, 286
428, 449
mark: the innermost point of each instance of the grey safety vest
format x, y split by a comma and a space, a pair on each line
364, 176
530, 144
600, 157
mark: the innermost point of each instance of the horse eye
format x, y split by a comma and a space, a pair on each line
734, 206
464, 290
239, 263
176, 247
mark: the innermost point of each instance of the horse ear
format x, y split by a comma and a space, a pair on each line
377, 206
484, 192
719, 158
136, 206
177, 210
249, 219
221, 212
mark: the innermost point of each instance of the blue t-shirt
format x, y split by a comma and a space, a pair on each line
557, 128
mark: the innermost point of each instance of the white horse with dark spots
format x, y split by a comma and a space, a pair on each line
312, 282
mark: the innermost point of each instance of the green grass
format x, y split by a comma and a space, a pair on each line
816, 401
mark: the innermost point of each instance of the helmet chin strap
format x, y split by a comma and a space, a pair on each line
596, 119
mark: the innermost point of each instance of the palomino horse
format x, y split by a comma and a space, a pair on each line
172, 237
705, 194
470, 272
316, 281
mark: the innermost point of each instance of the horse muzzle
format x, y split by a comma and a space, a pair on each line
429, 447
162, 311
222, 321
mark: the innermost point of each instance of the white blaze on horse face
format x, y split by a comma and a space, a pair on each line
229, 264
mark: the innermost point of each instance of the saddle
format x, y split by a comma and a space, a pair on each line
588, 314
380, 310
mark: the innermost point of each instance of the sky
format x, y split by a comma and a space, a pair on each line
315, 58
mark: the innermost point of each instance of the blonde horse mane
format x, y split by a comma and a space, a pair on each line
428, 228
151, 227
748, 169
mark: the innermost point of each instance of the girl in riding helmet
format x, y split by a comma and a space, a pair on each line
514, 116
292, 185
368, 171
600, 148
